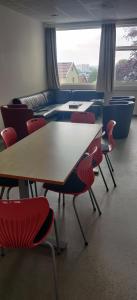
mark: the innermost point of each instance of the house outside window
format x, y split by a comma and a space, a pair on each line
126, 57
78, 57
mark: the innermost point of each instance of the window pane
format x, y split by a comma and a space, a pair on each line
78, 56
126, 66
126, 36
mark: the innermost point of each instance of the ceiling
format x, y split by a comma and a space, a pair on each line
70, 11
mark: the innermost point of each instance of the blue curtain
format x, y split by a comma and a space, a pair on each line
51, 59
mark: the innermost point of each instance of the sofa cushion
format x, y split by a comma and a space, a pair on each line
34, 101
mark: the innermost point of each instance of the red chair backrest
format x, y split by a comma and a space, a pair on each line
83, 117
110, 127
17, 118
98, 156
35, 123
85, 170
9, 136
20, 221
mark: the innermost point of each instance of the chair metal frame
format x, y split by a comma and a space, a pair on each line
85, 173
111, 144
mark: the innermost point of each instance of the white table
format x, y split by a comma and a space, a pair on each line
47, 155
82, 106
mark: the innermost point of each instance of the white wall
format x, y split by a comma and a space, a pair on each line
22, 65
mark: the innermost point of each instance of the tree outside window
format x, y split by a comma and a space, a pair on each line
126, 56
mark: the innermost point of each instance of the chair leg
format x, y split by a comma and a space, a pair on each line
2, 251
45, 194
63, 200
2, 192
107, 189
95, 200
54, 269
35, 187
111, 173
110, 163
76, 213
31, 190
59, 198
94, 207
8, 193
57, 237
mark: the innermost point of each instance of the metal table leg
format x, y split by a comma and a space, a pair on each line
23, 188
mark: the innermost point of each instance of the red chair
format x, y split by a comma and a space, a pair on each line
98, 157
9, 138
109, 146
35, 123
79, 182
83, 117
16, 117
26, 224
89, 117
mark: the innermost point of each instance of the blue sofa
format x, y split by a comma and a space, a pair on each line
120, 111
119, 108
45, 103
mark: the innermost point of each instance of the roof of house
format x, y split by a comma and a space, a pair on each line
63, 68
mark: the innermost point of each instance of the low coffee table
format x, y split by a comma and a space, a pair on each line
73, 106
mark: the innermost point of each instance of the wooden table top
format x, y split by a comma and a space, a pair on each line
82, 106
50, 153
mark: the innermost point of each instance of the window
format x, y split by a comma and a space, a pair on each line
78, 56
126, 56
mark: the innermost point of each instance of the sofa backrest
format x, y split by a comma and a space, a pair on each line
58, 96
34, 101
63, 96
50, 97
86, 95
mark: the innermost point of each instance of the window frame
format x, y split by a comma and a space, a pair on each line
127, 85
84, 86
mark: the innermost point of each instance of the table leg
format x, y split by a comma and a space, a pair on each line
23, 189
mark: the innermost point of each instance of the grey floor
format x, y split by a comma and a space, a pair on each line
107, 268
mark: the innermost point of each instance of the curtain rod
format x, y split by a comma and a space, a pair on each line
90, 24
